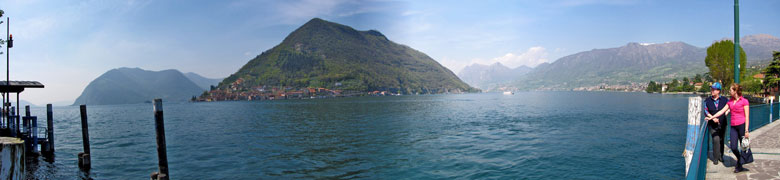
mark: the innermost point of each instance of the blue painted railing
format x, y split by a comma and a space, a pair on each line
760, 115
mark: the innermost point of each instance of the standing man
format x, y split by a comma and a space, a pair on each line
717, 126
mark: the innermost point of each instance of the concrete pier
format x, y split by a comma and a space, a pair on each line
765, 144
12, 165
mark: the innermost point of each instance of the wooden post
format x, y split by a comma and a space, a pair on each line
11, 124
162, 155
49, 129
26, 121
84, 157
15, 122
34, 124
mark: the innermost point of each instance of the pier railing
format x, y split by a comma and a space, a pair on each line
700, 139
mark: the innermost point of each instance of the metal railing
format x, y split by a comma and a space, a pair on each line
760, 115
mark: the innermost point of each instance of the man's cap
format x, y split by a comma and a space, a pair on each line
716, 85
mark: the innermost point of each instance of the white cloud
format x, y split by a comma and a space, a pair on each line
531, 58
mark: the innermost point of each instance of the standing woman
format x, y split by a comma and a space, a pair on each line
740, 113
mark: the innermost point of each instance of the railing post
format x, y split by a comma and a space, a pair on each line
694, 126
162, 155
84, 157
771, 109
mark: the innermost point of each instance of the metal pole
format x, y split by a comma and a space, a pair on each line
18, 112
7, 56
7, 61
736, 41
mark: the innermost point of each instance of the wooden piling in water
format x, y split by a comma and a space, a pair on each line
49, 147
26, 121
162, 155
16, 122
84, 157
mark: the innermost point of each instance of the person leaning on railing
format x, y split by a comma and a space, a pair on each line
740, 113
717, 126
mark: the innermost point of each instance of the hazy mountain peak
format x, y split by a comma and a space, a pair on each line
758, 47
489, 77
202, 82
136, 85
497, 64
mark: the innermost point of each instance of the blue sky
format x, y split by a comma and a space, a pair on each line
66, 44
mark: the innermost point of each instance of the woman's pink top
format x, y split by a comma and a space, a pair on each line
737, 108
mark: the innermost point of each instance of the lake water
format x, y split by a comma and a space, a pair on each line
529, 135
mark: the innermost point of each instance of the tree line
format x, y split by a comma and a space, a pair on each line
720, 61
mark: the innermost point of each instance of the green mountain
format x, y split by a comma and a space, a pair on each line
335, 56
135, 85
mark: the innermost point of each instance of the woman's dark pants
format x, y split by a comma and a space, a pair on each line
736, 133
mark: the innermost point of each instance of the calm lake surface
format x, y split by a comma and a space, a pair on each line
529, 135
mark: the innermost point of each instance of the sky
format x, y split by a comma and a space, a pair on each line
67, 44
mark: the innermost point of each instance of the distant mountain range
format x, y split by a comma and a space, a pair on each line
334, 56
202, 82
491, 76
758, 48
135, 85
633, 63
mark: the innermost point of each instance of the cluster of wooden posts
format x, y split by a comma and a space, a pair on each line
28, 131
162, 155
21, 141
27, 141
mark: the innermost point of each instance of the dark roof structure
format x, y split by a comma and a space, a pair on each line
18, 86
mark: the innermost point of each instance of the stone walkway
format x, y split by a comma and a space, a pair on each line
765, 144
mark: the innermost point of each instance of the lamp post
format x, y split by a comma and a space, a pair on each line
736, 41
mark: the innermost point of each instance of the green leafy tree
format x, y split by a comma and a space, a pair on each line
772, 72
751, 86
697, 78
672, 87
704, 88
653, 87
2, 42
686, 86
720, 61
708, 77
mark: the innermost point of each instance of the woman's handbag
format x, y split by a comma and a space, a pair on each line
745, 152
